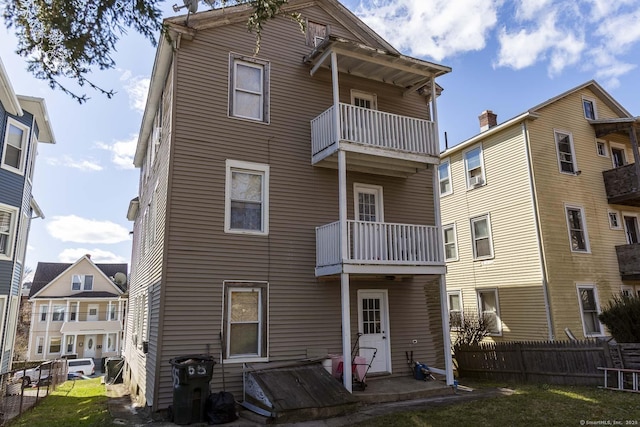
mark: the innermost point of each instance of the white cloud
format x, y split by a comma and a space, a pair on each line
122, 151
97, 256
72, 228
68, 161
137, 87
432, 28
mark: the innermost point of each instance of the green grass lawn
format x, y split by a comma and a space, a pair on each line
531, 405
79, 403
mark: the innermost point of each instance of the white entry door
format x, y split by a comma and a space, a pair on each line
373, 324
89, 346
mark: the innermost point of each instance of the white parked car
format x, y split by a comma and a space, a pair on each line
81, 366
34, 375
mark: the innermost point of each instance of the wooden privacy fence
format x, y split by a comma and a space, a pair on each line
551, 362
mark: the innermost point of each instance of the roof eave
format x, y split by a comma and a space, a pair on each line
8, 97
38, 108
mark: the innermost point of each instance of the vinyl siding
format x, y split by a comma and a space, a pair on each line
507, 199
554, 190
304, 312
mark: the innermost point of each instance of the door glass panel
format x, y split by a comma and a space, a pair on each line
371, 320
90, 343
367, 207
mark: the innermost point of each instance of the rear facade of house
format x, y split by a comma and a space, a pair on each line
282, 203
23, 124
547, 234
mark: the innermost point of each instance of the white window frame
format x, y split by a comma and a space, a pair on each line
11, 233
69, 345
58, 312
25, 146
44, 311
110, 348
264, 67
451, 293
625, 215
367, 96
593, 107
557, 133
605, 148
618, 146
585, 231
446, 227
481, 312
252, 168
39, 345
447, 165
51, 342
473, 236
360, 188
618, 220
467, 173
263, 320
593, 288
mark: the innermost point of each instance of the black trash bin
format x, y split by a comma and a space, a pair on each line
191, 376
113, 370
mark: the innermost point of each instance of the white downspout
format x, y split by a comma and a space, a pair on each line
344, 248
444, 308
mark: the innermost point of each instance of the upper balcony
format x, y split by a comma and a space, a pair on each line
622, 186
380, 248
629, 261
375, 141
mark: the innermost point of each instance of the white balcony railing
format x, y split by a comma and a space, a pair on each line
374, 128
380, 243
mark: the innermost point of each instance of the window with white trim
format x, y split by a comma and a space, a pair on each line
444, 175
39, 345
489, 310
82, 282
601, 148
566, 154
614, 220
14, 152
589, 107
589, 310
31, 158
481, 237
8, 225
247, 198
112, 312
454, 302
473, 166
245, 314
367, 100
369, 205
69, 344
450, 242
58, 313
44, 309
55, 344
576, 225
248, 88
111, 342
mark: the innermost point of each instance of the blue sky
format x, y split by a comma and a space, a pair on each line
507, 56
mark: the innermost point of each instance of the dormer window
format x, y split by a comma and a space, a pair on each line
82, 282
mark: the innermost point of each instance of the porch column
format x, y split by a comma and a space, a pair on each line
109, 310
77, 311
67, 312
46, 333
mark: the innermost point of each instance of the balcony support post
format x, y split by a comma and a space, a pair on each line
346, 332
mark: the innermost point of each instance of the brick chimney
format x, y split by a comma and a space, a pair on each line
487, 120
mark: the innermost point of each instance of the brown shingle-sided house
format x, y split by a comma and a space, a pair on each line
77, 310
286, 200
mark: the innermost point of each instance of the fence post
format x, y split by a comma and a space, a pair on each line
523, 367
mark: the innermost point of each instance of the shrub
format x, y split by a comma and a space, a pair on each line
622, 318
471, 328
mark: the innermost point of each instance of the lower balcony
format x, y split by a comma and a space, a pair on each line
91, 327
622, 186
380, 248
629, 261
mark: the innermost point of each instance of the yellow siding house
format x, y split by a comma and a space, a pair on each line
540, 217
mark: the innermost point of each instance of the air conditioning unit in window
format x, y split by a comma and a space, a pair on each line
476, 181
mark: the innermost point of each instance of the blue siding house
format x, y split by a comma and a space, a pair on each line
24, 123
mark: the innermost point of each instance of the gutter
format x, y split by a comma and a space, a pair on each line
543, 263
8, 97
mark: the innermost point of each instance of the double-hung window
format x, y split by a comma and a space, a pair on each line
55, 344
450, 242
489, 310
444, 175
473, 167
566, 154
576, 225
245, 315
8, 224
69, 343
589, 310
454, 300
58, 313
44, 309
481, 236
589, 106
249, 88
247, 198
39, 345
14, 152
